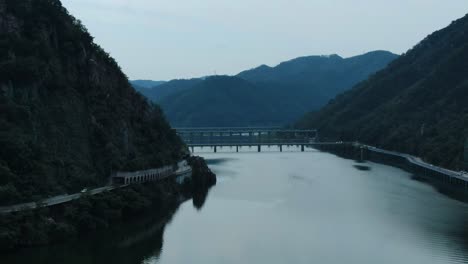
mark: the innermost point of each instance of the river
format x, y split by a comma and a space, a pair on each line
289, 207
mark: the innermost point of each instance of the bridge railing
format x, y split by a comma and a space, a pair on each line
251, 142
242, 135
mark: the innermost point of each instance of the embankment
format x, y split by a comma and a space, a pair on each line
449, 182
90, 214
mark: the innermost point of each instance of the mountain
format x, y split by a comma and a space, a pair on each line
146, 83
223, 101
316, 69
265, 95
159, 92
313, 81
417, 105
68, 115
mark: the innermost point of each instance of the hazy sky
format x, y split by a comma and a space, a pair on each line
161, 40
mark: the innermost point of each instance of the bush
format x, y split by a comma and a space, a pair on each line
8, 194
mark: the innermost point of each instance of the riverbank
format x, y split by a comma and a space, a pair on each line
451, 183
284, 207
117, 181
74, 220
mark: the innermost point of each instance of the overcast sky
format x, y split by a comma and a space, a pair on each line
162, 40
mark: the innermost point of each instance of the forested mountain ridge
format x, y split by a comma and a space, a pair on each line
223, 101
418, 104
68, 115
315, 68
146, 83
158, 93
282, 94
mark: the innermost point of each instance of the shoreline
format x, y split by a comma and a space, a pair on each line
451, 183
75, 219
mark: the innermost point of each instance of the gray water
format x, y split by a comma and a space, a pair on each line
295, 207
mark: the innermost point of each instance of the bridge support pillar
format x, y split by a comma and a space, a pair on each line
237, 148
259, 148
215, 150
281, 148
302, 148
193, 149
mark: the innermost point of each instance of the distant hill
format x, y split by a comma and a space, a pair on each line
146, 83
159, 92
418, 104
312, 81
224, 101
317, 68
272, 95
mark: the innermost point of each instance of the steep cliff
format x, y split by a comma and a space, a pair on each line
68, 115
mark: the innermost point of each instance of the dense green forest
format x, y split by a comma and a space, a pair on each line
161, 91
146, 83
225, 101
147, 88
417, 105
265, 95
68, 115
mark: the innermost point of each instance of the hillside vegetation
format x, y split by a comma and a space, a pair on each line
418, 104
224, 101
265, 95
68, 115
146, 83
159, 92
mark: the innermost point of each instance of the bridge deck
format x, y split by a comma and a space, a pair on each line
246, 136
247, 144
238, 129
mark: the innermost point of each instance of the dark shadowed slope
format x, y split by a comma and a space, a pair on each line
317, 69
146, 83
222, 101
418, 104
282, 94
68, 115
159, 92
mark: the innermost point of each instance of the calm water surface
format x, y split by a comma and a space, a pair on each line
292, 207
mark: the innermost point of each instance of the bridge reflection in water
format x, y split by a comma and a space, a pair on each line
237, 137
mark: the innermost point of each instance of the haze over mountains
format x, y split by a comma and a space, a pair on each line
418, 104
264, 95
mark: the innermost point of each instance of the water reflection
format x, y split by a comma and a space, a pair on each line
199, 199
218, 161
288, 208
139, 241
313, 208
130, 243
362, 167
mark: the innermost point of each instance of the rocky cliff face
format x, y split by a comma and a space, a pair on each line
68, 116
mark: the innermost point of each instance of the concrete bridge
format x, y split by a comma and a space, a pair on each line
237, 137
